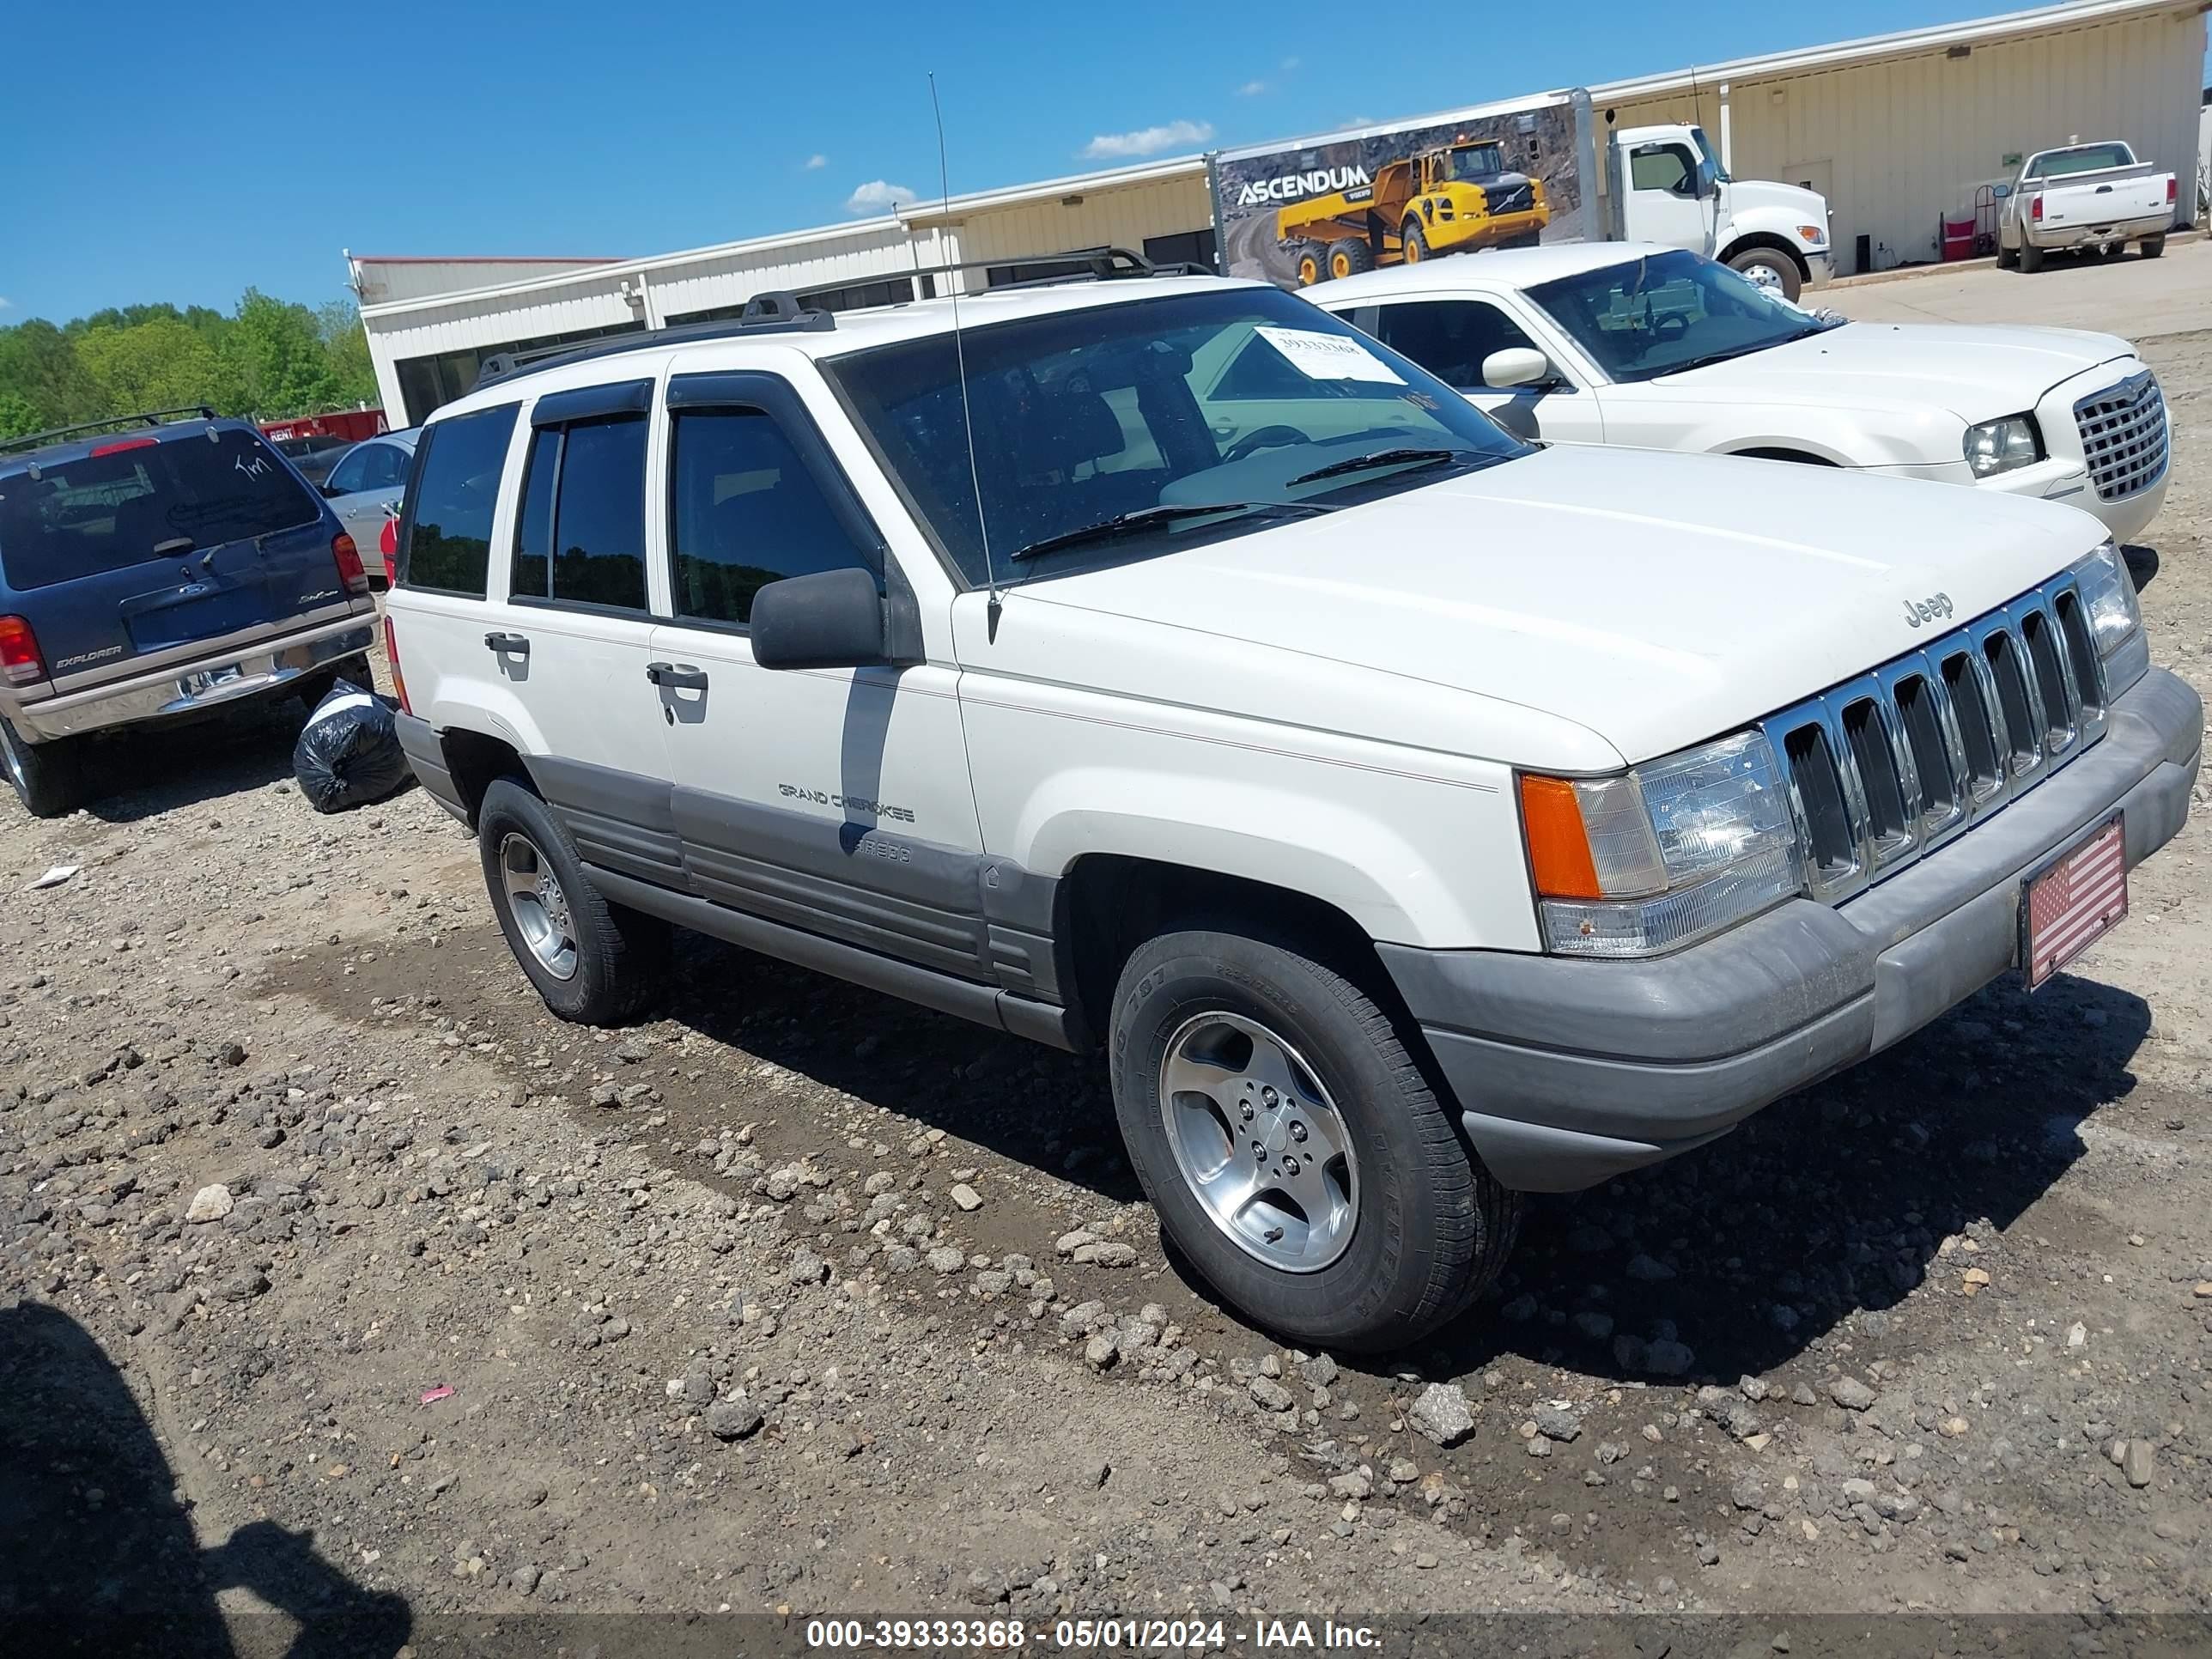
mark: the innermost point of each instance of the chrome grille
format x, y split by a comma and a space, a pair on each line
1887, 767
2123, 436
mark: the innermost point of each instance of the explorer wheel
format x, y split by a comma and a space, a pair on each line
1294, 1151
593, 961
48, 777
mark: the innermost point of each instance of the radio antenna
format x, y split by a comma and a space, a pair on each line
960, 358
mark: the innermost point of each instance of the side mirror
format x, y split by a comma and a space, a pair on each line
1516, 366
330, 491
2000, 192
830, 619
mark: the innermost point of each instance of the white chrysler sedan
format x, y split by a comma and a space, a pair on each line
1658, 348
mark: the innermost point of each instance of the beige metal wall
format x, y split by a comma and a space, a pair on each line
1901, 143
1122, 217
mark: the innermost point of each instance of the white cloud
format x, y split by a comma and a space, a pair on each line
816, 162
5, 302
1146, 141
878, 196
1251, 88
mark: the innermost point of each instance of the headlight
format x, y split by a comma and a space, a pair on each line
1813, 235
1995, 447
1662, 855
2114, 618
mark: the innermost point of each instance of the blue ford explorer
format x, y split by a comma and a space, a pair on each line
155, 570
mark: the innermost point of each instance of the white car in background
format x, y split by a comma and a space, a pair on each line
1658, 348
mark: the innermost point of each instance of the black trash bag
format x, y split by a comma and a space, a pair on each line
349, 753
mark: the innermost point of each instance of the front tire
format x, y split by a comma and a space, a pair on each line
48, 777
593, 962
1770, 268
1413, 243
1344, 1211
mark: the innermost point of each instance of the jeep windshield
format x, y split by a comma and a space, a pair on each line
131, 500
1669, 313
1085, 420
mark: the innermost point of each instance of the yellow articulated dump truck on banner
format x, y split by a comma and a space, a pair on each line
1443, 200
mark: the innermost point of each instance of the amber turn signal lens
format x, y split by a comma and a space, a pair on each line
1559, 846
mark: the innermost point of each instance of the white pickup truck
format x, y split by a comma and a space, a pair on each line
2084, 195
1413, 817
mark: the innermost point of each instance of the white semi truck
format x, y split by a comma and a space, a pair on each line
1665, 184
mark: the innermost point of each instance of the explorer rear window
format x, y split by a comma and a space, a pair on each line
157, 499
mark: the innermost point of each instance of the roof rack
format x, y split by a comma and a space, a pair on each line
784, 310
150, 418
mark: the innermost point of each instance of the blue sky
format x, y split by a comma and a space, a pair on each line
182, 152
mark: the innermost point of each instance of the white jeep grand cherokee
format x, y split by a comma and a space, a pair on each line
1416, 817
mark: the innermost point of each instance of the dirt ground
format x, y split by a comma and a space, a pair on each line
337, 1278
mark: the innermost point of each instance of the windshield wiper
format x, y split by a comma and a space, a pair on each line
1401, 456
1150, 518
1711, 358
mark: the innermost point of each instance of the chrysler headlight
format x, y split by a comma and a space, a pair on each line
1663, 854
2113, 617
1995, 447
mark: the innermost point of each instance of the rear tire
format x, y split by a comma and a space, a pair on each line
1411, 1227
1311, 263
593, 962
1349, 256
1770, 268
48, 777
2154, 245
2031, 258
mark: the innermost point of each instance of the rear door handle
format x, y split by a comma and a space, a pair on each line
678, 676
507, 644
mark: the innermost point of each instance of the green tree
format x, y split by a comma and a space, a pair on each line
346, 347
162, 363
276, 353
18, 415
38, 364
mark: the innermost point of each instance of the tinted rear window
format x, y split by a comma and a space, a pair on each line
449, 512
178, 495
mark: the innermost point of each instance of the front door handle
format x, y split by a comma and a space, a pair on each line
678, 676
507, 644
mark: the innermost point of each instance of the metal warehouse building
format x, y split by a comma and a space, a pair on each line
1896, 130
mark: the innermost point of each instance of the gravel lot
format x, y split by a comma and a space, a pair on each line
337, 1277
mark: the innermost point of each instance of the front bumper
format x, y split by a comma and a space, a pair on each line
1568, 1072
183, 690
1819, 268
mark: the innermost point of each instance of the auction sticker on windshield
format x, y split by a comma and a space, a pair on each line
1328, 356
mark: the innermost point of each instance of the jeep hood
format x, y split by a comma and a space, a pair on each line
1977, 372
1655, 600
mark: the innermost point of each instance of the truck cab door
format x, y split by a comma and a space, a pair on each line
1662, 203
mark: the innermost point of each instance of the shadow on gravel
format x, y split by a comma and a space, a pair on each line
1017, 1099
102, 1558
1828, 1206
144, 774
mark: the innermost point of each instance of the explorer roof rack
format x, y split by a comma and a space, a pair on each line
150, 418
783, 310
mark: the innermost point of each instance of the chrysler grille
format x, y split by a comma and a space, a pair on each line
2123, 436
1890, 766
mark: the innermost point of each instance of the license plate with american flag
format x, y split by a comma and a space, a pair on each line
2073, 903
